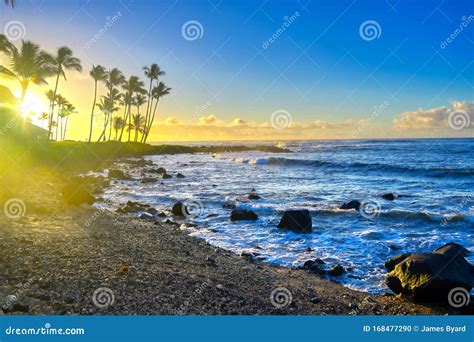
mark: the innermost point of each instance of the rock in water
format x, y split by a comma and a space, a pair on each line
298, 221
354, 204
179, 209
430, 276
388, 197
179, 175
118, 174
253, 197
243, 214
166, 176
149, 180
337, 271
76, 194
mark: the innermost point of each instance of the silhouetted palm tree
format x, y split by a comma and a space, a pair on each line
158, 92
137, 124
27, 65
10, 3
133, 86
43, 116
61, 101
98, 74
107, 106
153, 73
68, 110
113, 79
118, 123
5, 46
62, 61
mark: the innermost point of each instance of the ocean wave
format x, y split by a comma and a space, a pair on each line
429, 172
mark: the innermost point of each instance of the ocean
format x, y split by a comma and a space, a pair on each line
433, 179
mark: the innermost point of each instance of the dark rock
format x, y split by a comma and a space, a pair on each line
298, 221
253, 197
77, 194
430, 276
149, 180
313, 267
166, 176
137, 162
389, 196
315, 300
212, 215
453, 249
118, 174
19, 308
354, 204
309, 249
319, 261
337, 271
159, 170
162, 214
179, 175
179, 209
133, 207
242, 214
394, 247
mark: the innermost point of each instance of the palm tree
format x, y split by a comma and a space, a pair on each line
43, 116
113, 79
98, 74
153, 73
138, 124
61, 101
107, 106
10, 3
27, 65
158, 92
118, 123
133, 86
139, 101
68, 110
62, 61
5, 46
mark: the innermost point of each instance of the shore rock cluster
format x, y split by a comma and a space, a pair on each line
430, 276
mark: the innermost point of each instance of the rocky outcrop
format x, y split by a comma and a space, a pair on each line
180, 175
430, 276
149, 180
77, 194
160, 170
389, 197
118, 174
298, 221
242, 215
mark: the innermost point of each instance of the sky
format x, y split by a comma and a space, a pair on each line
269, 70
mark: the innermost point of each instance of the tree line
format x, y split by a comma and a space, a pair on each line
28, 64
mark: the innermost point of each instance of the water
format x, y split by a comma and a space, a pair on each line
434, 177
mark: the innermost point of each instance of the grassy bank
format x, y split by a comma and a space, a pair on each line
81, 155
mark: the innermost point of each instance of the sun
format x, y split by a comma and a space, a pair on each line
32, 106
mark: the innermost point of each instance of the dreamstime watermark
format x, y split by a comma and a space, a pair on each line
190, 300
109, 22
14, 30
465, 21
192, 208
281, 297
14, 208
377, 110
9, 125
458, 297
288, 20
370, 30
192, 30
281, 119
12, 299
369, 209
103, 297
459, 119
452, 215
46, 330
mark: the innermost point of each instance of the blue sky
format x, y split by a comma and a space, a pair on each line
318, 69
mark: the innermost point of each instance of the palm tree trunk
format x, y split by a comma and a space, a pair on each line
148, 102
127, 111
104, 130
65, 128
92, 112
151, 122
52, 104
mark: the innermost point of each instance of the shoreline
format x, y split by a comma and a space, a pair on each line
56, 256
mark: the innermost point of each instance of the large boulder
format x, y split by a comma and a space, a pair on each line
298, 221
242, 215
430, 276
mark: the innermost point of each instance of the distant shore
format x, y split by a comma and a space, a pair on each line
57, 258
